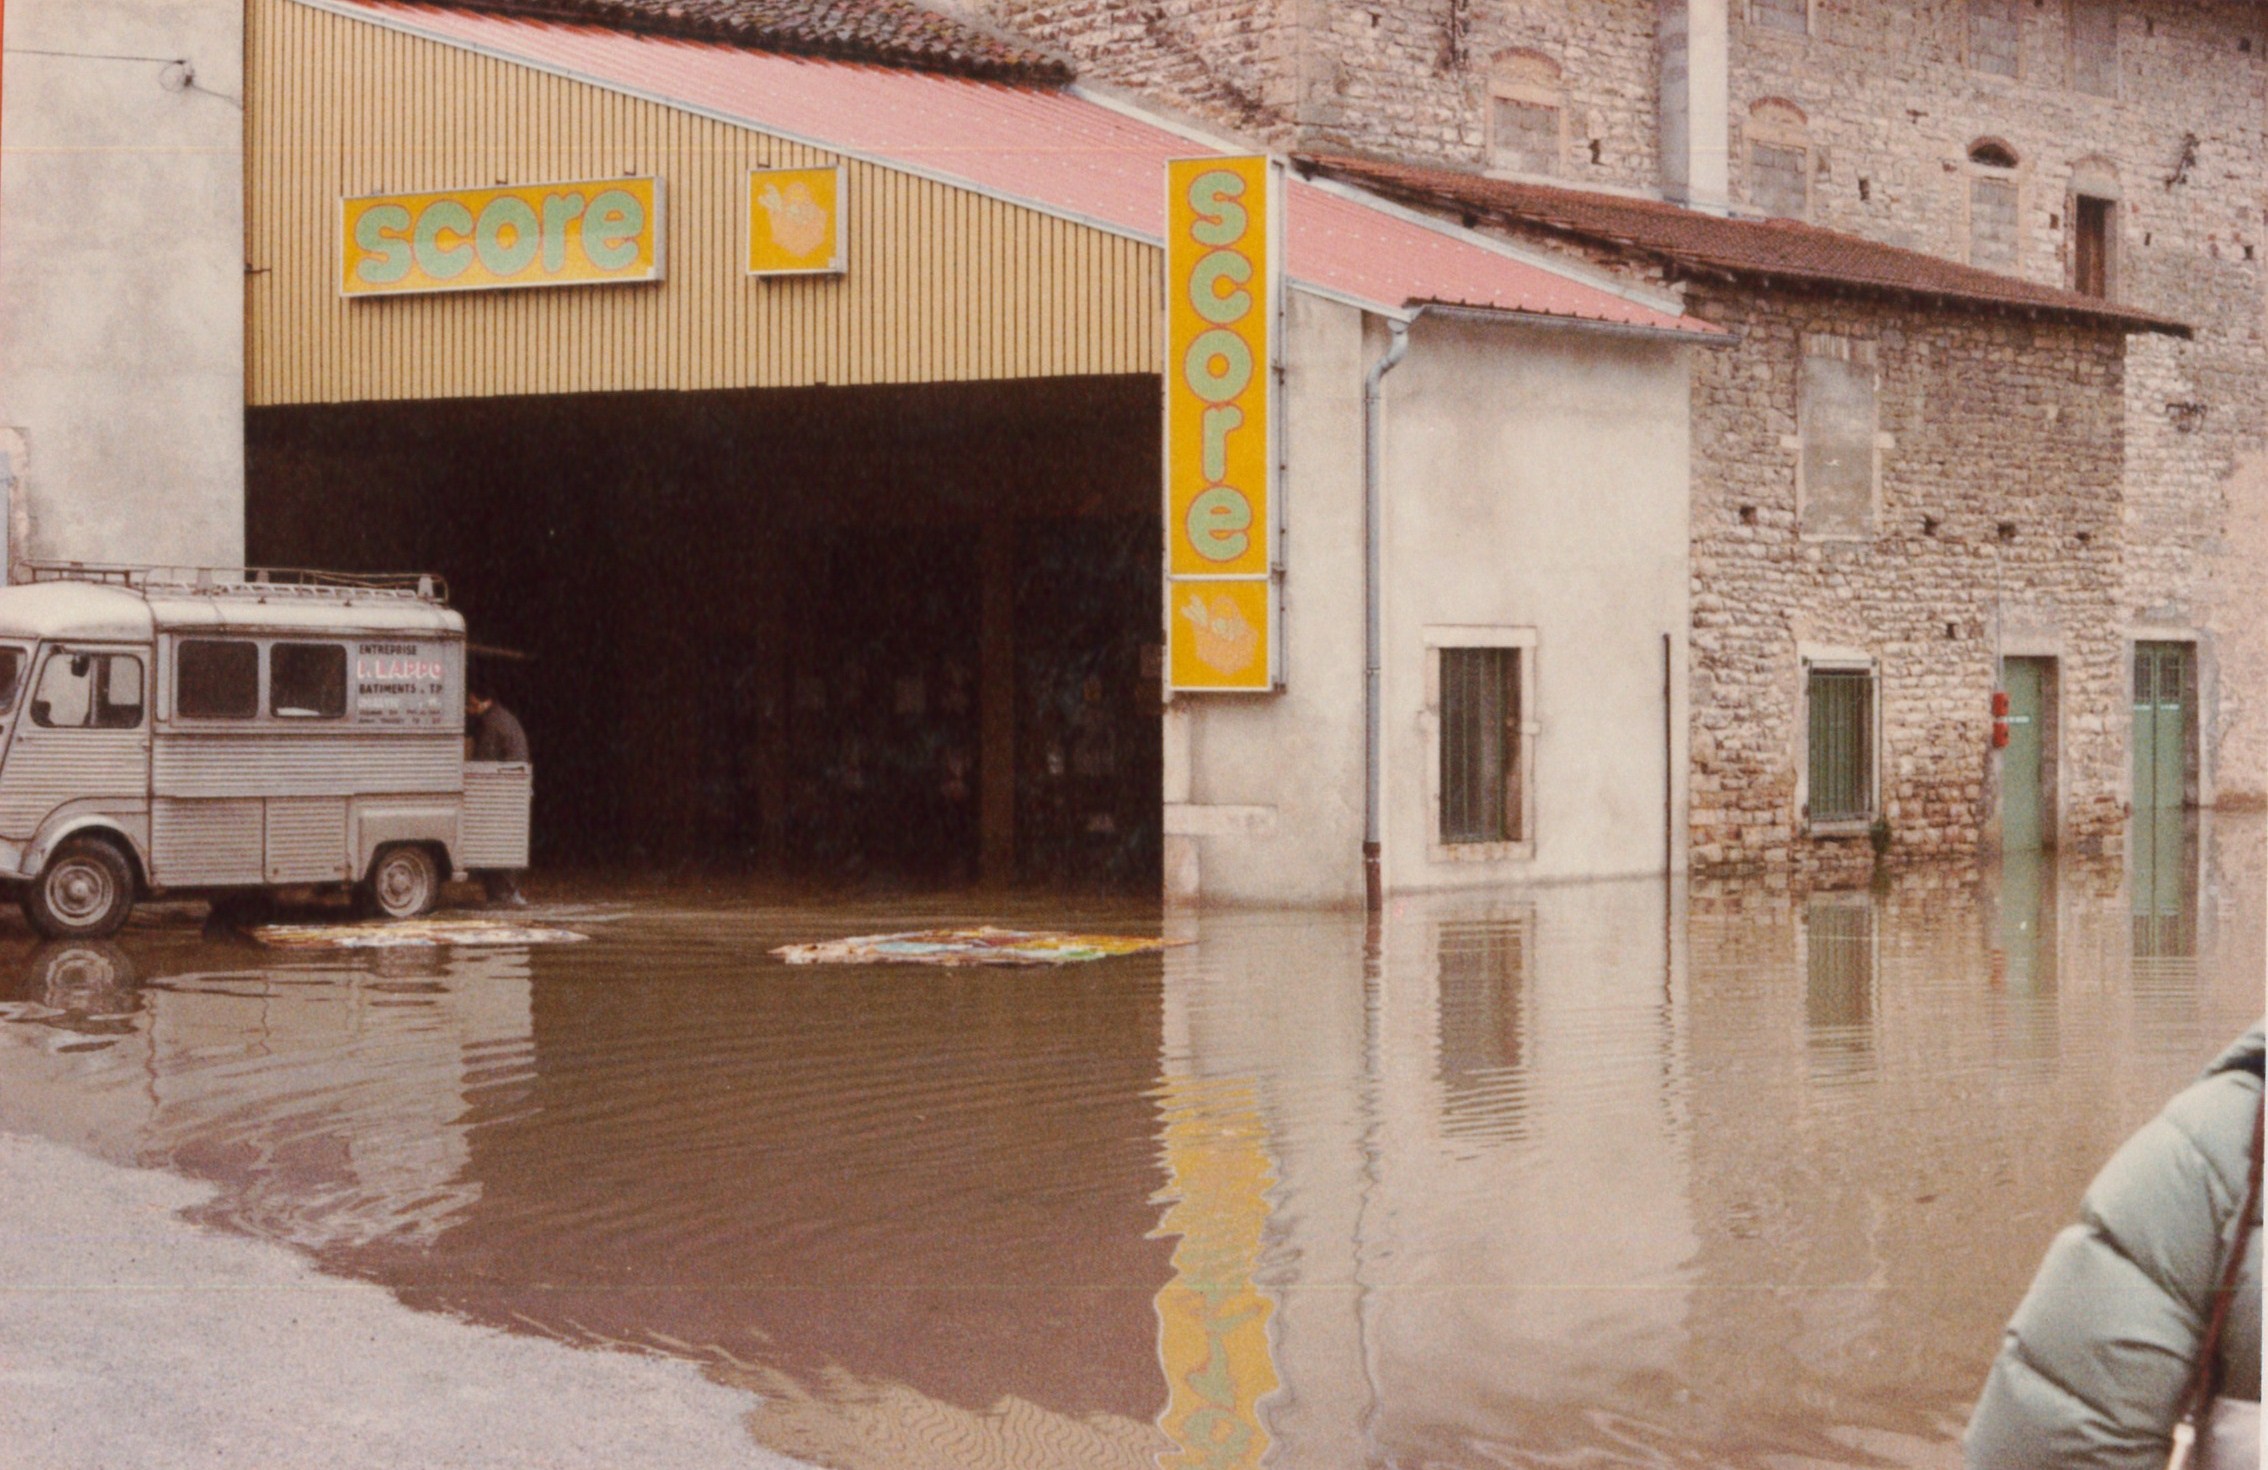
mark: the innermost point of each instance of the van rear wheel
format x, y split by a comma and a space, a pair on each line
404, 883
85, 891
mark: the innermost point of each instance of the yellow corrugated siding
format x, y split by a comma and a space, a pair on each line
944, 284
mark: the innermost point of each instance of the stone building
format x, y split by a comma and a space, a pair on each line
2112, 148
1906, 473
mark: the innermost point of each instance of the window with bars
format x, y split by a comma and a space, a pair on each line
1524, 136
1994, 37
1776, 181
1481, 776
1841, 746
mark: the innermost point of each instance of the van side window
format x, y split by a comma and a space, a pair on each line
307, 681
216, 679
11, 677
79, 689
118, 692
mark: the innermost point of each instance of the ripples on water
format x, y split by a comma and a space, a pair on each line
1570, 1179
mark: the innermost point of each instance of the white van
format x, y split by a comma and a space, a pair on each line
209, 732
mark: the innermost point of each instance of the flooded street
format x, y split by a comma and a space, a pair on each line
1595, 1175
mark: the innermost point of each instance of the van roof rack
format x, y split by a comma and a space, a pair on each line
264, 582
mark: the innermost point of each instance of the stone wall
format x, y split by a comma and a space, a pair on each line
1891, 109
1232, 63
1999, 507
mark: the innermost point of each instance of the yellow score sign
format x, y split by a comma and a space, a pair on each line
603, 231
1221, 295
795, 222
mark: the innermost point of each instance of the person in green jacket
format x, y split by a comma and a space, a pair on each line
2094, 1367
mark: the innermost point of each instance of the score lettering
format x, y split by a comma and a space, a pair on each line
1218, 366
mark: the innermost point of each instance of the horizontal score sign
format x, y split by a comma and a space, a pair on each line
595, 232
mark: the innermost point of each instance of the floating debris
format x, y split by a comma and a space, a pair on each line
410, 934
980, 946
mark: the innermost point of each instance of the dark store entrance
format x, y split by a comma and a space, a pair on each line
898, 634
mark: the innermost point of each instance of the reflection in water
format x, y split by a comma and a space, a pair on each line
1577, 1180
1483, 974
1212, 1320
2023, 925
2163, 853
1838, 988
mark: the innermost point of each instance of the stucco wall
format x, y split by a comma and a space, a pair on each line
122, 279
1535, 479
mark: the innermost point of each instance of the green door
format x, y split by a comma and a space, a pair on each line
2165, 684
2023, 773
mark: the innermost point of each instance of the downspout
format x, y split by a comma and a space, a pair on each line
1373, 637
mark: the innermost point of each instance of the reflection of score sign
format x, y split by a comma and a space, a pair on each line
492, 239
1219, 323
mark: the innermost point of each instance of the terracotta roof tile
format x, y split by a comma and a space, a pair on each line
1754, 249
888, 32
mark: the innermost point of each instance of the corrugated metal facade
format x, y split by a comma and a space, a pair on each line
944, 284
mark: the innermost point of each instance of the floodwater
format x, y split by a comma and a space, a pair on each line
1610, 1174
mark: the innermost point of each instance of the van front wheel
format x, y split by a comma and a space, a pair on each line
404, 883
85, 892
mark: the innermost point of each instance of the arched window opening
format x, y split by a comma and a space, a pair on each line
1995, 213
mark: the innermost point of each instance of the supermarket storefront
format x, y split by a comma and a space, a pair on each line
799, 421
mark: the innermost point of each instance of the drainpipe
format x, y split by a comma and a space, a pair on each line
1373, 880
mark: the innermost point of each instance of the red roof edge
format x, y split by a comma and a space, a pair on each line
896, 33
1761, 251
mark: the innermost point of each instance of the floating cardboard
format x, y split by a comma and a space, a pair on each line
410, 934
981, 946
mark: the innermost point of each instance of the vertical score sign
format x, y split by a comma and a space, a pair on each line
1222, 296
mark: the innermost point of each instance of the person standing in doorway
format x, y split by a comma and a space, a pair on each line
495, 734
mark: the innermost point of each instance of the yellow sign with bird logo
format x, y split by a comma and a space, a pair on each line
795, 221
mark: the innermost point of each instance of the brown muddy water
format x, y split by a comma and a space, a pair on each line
1610, 1174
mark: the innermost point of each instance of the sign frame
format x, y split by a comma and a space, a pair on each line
659, 224
838, 263
1267, 579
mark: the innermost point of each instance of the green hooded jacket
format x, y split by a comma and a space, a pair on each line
2094, 1364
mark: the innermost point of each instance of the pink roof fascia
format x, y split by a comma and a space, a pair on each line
1049, 149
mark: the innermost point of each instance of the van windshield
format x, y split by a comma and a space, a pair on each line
11, 677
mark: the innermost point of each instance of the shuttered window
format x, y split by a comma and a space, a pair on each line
1776, 182
1994, 37
2094, 47
1781, 15
1836, 415
1992, 224
1524, 136
2091, 241
1841, 745
1480, 745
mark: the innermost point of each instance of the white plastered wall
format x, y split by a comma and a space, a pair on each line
1536, 478
122, 280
